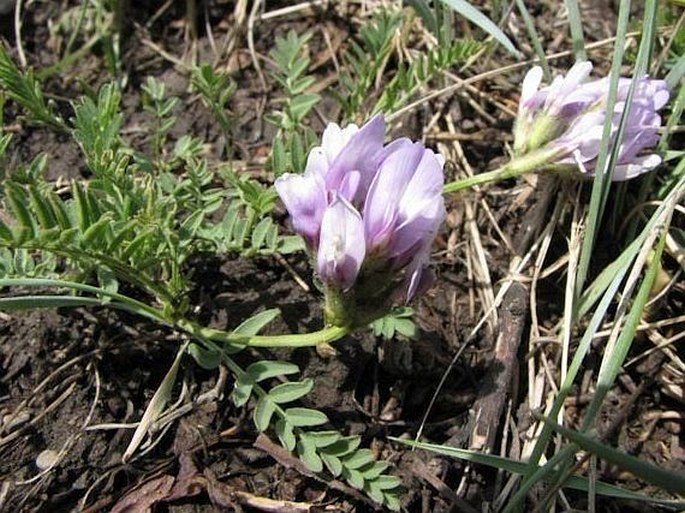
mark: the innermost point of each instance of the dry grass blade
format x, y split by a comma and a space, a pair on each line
156, 405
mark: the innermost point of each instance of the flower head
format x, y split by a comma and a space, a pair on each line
568, 117
368, 212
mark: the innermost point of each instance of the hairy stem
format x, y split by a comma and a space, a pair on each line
315, 338
515, 167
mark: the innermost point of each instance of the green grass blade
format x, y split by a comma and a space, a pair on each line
486, 24
536, 474
23, 88
607, 290
677, 107
534, 39
671, 481
576, 25
602, 180
423, 9
615, 354
580, 483
676, 74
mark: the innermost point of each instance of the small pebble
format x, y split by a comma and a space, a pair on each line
11, 422
46, 459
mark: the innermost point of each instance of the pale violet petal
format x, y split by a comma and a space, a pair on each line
363, 144
335, 138
381, 205
341, 244
304, 198
530, 86
426, 183
358, 154
561, 89
349, 185
419, 277
637, 167
317, 162
417, 232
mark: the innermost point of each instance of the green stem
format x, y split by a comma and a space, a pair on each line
315, 338
126, 302
515, 167
241, 374
69, 59
323, 336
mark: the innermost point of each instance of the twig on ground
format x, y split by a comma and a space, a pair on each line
422, 471
292, 272
489, 406
166, 55
285, 458
284, 11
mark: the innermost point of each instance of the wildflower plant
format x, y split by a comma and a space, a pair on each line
366, 211
123, 240
294, 138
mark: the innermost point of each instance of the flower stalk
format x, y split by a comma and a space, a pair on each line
516, 167
315, 338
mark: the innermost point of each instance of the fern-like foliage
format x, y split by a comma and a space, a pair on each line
23, 263
294, 138
85, 229
398, 321
367, 59
138, 220
156, 103
321, 449
143, 233
289, 56
24, 88
217, 89
289, 151
410, 78
96, 127
276, 410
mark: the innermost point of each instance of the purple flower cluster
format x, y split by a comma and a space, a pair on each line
568, 116
368, 212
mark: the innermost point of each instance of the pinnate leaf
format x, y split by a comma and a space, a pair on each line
307, 452
263, 412
291, 391
305, 417
333, 463
359, 459
286, 435
256, 323
265, 369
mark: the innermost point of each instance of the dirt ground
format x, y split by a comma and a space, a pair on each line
73, 383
